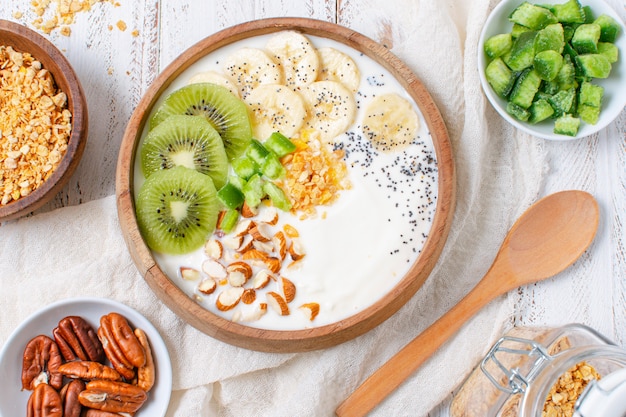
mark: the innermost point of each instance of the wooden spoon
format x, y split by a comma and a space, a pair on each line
544, 241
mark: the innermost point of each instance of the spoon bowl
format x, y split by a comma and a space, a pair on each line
548, 237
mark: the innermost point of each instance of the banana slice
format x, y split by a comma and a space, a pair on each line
338, 66
297, 57
214, 78
250, 67
330, 106
275, 107
390, 122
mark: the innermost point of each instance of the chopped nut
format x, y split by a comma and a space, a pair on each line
261, 232
296, 250
280, 244
248, 296
273, 264
278, 303
213, 248
311, 310
261, 279
189, 274
289, 289
207, 286
243, 227
247, 211
214, 269
229, 298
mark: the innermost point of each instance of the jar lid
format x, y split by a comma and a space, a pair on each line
604, 398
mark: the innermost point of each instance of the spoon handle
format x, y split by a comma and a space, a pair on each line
389, 376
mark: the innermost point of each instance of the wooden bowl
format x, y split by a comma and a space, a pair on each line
23, 39
286, 340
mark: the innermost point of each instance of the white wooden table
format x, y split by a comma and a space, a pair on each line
117, 66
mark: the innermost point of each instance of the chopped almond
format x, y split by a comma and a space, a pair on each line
273, 264
229, 298
296, 250
243, 227
214, 248
207, 286
241, 267
280, 244
255, 254
248, 296
269, 215
189, 274
247, 211
278, 303
310, 310
214, 269
261, 279
289, 289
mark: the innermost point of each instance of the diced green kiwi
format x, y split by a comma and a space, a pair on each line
227, 113
189, 141
177, 210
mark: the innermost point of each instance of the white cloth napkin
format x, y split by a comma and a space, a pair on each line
79, 251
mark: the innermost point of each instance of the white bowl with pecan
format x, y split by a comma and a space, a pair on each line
43, 136
14, 399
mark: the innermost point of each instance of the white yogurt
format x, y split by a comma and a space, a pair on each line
368, 239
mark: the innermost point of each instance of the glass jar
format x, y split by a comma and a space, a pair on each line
530, 370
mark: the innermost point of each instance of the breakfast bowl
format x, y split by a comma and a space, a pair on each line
41, 149
315, 277
557, 87
14, 399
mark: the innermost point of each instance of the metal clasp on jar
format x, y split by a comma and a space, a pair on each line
518, 360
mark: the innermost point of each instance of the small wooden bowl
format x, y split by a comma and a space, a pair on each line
287, 340
23, 39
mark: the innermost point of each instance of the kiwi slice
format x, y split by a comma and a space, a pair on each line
189, 141
227, 114
177, 210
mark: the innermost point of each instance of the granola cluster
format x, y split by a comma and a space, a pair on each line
315, 174
35, 124
55, 14
568, 388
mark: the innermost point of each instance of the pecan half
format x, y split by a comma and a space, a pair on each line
69, 398
146, 374
45, 401
88, 370
40, 363
113, 351
112, 396
77, 340
126, 339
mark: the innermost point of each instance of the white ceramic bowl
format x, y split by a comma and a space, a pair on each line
13, 400
614, 86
